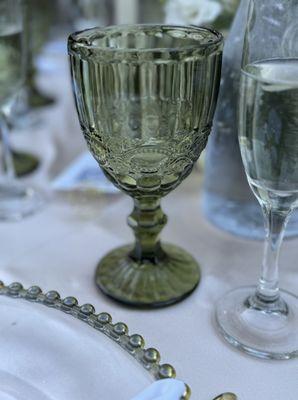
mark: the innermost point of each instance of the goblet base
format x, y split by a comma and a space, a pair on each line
148, 283
38, 99
18, 201
24, 163
262, 332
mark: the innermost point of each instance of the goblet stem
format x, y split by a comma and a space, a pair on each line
267, 292
147, 274
147, 220
263, 321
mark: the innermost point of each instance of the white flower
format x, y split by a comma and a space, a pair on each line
196, 12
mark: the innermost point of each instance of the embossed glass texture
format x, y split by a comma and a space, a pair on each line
145, 96
263, 320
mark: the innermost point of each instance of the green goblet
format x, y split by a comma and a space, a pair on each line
145, 96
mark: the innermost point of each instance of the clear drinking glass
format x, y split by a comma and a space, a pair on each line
263, 321
145, 96
16, 200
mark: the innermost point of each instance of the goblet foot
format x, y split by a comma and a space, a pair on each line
267, 331
168, 279
38, 99
24, 163
18, 201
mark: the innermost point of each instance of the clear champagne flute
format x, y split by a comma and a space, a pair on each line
16, 199
263, 320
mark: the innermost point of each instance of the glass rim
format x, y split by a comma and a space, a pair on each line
217, 38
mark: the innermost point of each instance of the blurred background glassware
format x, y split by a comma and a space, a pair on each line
263, 321
216, 14
90, 13
16, 199
24, 163
145, 96
227, 199
39, 16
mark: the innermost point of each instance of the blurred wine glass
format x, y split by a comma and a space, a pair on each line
90, 13
16, 200
38, 17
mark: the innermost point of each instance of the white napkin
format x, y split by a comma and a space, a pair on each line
166, 389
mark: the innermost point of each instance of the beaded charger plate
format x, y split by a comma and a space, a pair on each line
47, 355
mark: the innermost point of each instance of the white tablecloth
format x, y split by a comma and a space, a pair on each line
58, 248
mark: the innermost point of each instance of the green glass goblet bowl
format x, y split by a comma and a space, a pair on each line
145, 96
